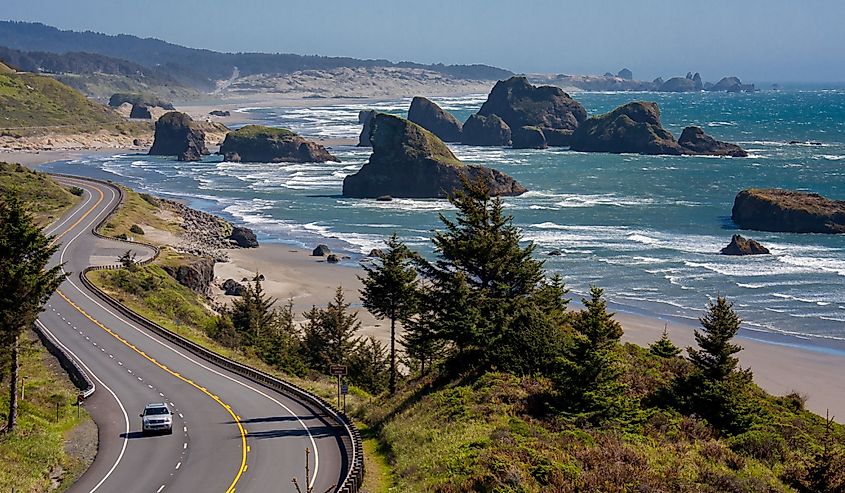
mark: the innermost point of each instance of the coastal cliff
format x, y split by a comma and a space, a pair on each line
410, 161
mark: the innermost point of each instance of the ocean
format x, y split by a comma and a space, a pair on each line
647, 229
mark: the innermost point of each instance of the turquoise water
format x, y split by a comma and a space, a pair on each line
647, 229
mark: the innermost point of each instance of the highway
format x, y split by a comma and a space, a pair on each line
229, 433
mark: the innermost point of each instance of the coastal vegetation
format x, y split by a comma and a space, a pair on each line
46, 199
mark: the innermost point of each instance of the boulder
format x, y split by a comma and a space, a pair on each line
520, 104
260, 144
332, 259
196, 274
695, 141
486, 131
219, 113
141, 111
625, 74
232, 287
631, 128
528, 138
410, 161
176, 135
321, 251
740, 245
788, 211
243, 237
433, 118
364, 118
678, 84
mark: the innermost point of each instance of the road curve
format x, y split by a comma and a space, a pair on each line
230, 433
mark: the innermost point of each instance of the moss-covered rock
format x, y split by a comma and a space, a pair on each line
695, 141
631, 128
410, 161
788, 211
435, 119
257, 143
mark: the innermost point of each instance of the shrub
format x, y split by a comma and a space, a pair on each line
135, 229
76, 191
759, 444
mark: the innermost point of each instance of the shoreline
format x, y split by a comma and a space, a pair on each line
779, 368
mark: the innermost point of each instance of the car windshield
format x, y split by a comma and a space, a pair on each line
155, 410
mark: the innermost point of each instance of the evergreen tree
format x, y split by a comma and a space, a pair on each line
826, 470
588, 377
279, 344
715, 358
127, 261
664, 347
481, 274
27, 284
369, 366
330, 333
551, 298
253, 312
390, 291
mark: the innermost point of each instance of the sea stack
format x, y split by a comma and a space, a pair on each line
435, 119
408, 161
176, 135
740, 245
260, 144
788, 211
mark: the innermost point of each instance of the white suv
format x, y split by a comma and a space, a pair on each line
157, 417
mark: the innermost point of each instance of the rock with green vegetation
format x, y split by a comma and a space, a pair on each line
528, 138
260, 144
695, 141
631, 128
177, 135
520, 104
435, 119
486, 131
410, 161
137, 99
788, 211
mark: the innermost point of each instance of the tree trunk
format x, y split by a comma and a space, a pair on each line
392, 385
13, 386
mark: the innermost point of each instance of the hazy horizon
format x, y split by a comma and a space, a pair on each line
759, 41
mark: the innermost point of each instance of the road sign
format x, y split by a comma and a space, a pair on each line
338, 370
80, 398
344, 389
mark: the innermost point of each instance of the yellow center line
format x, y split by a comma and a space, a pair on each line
126, 343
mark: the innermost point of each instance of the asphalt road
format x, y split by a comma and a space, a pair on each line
229, 433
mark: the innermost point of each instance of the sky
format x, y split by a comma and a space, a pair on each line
757, 40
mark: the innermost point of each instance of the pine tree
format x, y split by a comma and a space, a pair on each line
330, 333
279, 344
664, 347
390, 291
253, 312
588, 377
127, 261
715, 358
421, 344
369, 366
826, 470
27, 284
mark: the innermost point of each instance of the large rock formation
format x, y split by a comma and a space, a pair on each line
788, 211
435, 119
636, 128
243, 237
731, 84
740, 245
259, 144
196, 273
631, 128
695, 141
141, 111
177, 135
625, 74
364, 118
521, 104
528, 138
486, 131
410, 161
678, 84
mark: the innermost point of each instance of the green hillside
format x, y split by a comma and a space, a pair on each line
46, 198
28, 100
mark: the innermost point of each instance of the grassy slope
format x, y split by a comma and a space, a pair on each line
32, 102
138, 209
46, 198
37, 446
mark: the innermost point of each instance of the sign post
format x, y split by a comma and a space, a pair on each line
339, 371
344, 389
79, 399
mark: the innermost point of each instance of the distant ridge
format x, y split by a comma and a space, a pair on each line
199, 67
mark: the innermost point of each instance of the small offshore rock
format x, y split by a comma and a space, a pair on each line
332, 259
321, 251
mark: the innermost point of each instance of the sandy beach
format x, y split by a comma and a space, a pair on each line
294, 274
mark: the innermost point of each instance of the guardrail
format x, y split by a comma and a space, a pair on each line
79, 378
355, 455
